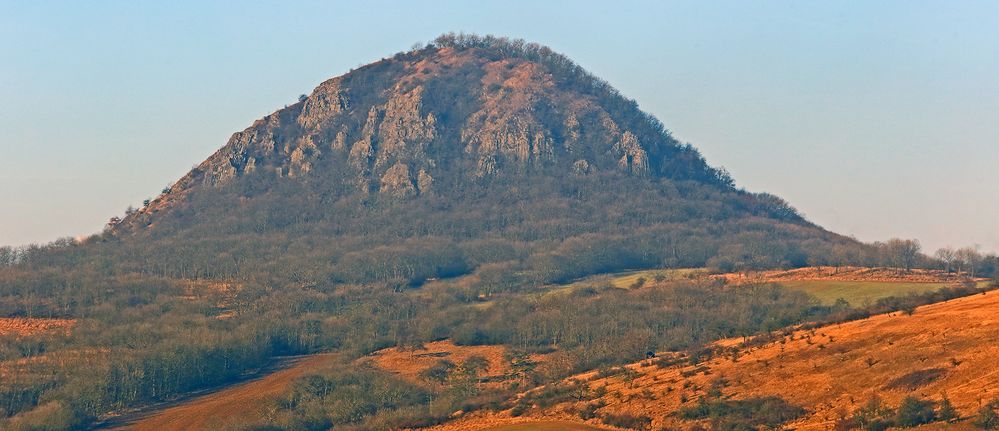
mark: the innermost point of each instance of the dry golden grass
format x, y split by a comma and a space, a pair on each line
24, 327
409, 363
844, 273
830, 371
239, 404
544, 426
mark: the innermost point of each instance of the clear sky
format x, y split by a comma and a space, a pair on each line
875, 119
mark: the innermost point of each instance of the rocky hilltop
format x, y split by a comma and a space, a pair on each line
461, 107
473, 153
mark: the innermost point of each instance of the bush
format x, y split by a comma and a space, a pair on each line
914, 411
874, 416
749, 413
946, 411
624, 420
987, 418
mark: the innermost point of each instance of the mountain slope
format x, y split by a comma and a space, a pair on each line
441, 161
467, 108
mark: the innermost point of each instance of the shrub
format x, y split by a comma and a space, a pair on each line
624, 420
946, 411
914, 411
987, 418
749, 413
874, 416
590, 410
439, 372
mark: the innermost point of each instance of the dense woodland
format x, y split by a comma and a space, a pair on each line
209, 281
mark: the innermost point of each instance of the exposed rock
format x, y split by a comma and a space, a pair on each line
424, 182
403, 133
340, 141
251, 165
572, 134
397, 183
450, 111
486, 165
506, 126
231, 160
360, 154
363, 150
633, 157
325, 102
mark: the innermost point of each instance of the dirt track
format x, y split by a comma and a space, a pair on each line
239, 403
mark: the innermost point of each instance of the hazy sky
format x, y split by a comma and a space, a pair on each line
875, 119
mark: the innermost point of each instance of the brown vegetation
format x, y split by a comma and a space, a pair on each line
20, 326
945, 349
238, 404
409, 363
844, 273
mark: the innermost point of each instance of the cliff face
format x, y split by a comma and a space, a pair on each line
454, 111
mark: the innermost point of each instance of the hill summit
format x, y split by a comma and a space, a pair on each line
462, 107
480, 151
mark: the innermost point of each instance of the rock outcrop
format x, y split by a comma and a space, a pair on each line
401, 125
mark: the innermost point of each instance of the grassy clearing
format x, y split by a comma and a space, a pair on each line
544, 426
629, 279
858, 293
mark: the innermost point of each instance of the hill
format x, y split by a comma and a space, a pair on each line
434, 195
942, 350
465, 155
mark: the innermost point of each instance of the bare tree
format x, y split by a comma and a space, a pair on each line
902, 253
8, 256
947, 256
970, 258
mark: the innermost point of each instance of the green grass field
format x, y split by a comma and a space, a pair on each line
544, 426
627, 280
858, 293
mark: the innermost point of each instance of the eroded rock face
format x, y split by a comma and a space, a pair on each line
424, 182
404, 134
362, 151
633, 157
323, 105
238, 156
506, 128
397, 183
402, 125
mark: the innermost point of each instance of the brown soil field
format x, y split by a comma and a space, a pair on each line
409, 363
20, 326
844, 273
237, 404
945, 349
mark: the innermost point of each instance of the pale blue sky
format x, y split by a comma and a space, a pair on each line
875, 119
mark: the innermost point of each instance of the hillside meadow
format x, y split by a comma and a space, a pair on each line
823, 375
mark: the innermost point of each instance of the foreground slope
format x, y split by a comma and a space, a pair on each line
944, 349
236, 404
